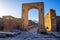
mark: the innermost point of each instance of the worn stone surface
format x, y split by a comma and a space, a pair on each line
26, 7
8, 23
50, 20
47, 22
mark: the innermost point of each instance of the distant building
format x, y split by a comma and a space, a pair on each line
30, 23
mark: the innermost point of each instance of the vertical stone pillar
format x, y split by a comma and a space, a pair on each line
41, 20
26, 20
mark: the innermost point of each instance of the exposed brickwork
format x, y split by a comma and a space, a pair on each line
8, 23
19, 22
50, 20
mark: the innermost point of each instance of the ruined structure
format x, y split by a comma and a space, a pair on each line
1, 24
11, 23
26, 7
58, 23
50, 20
19, 22
8, 23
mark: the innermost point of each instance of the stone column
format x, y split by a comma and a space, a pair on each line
25, 19
41, 20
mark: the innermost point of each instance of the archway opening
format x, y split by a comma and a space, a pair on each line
33, 18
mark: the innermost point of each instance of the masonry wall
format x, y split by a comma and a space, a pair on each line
8, 23
47, 22
50, 20
19, 22
58, 23
1, 24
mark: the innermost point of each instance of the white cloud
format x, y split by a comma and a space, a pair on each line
35, 19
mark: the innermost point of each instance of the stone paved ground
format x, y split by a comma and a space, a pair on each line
31, 35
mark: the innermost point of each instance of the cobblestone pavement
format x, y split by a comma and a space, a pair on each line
31, 35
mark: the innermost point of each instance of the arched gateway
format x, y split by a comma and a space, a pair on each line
26, 7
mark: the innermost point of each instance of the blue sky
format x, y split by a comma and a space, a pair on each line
14, 7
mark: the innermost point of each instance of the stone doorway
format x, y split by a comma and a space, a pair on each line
26, 7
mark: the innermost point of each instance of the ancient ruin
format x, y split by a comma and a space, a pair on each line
49, 22
26, 7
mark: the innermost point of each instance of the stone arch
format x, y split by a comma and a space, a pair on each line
33, 17
26, 7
